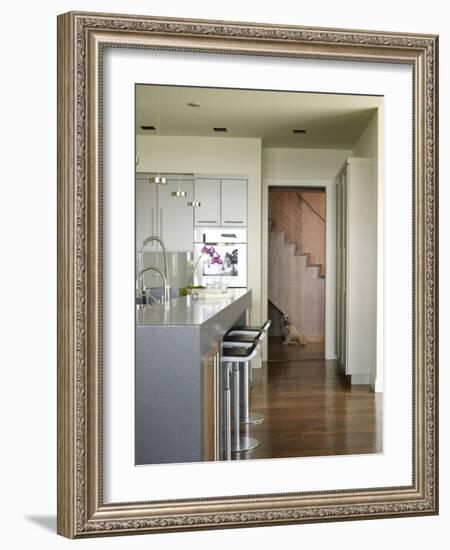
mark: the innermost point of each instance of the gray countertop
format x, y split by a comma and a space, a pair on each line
187, 312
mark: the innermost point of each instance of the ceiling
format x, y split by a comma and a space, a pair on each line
331, 121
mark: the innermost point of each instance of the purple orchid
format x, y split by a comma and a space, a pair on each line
215, 256
211, 251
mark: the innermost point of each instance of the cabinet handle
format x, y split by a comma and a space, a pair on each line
232, 221
207, 221
153, 221
160, 223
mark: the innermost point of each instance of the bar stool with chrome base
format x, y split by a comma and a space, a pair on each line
245, 340
236, 355
246, 334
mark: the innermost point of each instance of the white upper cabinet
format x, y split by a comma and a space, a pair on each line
207, 193
146, 209
223, 202
159, 213
175, 217
234, 202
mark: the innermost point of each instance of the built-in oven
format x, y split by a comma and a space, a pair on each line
220, 254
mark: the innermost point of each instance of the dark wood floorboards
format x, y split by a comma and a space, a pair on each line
278, 352
309, 408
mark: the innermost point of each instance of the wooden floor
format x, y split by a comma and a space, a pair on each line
309, 408
278, 352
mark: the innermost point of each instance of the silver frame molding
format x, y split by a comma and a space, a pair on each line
81, 38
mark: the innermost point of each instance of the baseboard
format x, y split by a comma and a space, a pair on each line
376, 385
341, 370
360, 379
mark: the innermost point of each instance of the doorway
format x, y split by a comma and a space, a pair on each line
296, 272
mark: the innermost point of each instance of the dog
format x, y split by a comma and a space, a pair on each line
290, 333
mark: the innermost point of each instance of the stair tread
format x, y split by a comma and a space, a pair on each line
299, 253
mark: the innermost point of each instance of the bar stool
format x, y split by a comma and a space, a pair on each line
245, 340
234, 355
246, 334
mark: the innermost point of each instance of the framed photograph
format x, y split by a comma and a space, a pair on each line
247, 274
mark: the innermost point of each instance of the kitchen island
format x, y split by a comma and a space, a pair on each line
177, 379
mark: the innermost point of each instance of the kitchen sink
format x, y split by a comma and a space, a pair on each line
157, 293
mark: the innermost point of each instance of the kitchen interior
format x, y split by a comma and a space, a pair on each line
215, 273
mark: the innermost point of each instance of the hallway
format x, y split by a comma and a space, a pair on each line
309, 408
278, 352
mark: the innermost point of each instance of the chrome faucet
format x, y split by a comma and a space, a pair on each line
151, 239
140, 281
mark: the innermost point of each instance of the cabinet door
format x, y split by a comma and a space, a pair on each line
146, 209
175, 217
344, 274
207, 192
338, 269
341, 270
234, 202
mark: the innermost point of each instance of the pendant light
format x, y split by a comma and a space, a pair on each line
158, 179
179, 192
194, 105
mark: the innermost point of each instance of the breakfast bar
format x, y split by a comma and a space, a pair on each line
177, 378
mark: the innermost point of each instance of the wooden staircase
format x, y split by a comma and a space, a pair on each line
296, 283
290, 269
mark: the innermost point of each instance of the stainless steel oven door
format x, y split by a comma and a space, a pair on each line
227, 260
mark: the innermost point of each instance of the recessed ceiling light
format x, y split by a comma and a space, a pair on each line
194, 104
299, 131
147, 127
218, 129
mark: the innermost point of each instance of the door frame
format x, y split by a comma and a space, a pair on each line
328, 186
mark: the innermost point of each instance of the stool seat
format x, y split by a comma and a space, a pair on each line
240, 338
247, 328
238, 353
260, 332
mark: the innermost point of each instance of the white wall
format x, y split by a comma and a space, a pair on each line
28, 211
367, 143
371, 144
215, 155
302, 164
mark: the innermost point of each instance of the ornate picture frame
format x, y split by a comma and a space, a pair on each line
81, 39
